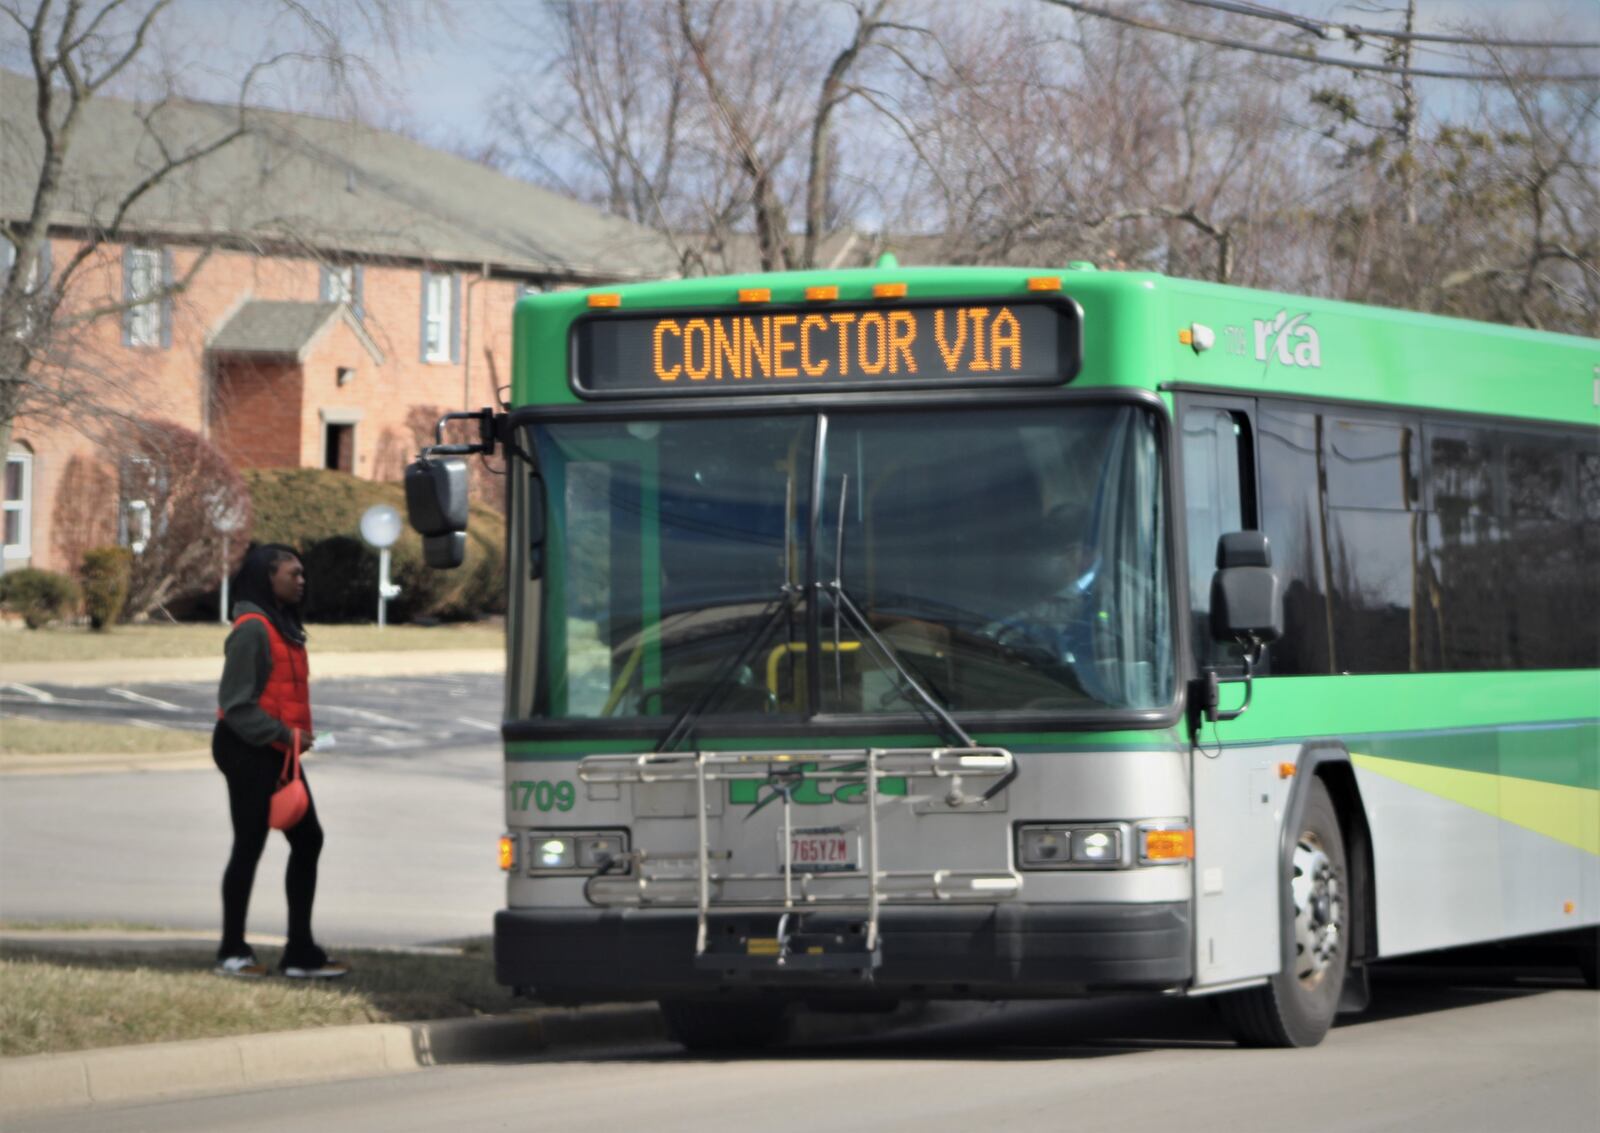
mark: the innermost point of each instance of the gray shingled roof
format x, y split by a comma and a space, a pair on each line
282, 328
329, 186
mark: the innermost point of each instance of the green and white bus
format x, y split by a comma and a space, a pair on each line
906, 634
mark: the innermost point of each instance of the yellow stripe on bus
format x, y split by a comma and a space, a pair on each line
1570, 815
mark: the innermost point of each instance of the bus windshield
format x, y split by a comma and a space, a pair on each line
1009, 559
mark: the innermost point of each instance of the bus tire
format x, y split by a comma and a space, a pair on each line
1587, 946
726, 1025
1297, 1005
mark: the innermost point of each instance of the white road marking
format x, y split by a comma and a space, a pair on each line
477, 724
38, 694
140, 698
363, 714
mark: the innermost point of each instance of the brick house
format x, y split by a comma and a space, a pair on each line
343, 286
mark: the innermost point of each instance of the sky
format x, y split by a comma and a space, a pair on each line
457, 55
446, 83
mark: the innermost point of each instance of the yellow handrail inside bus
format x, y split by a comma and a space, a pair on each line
776, 656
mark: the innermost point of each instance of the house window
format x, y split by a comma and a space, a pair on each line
17, 517
146, 322
342, 284
33, 287
440, 318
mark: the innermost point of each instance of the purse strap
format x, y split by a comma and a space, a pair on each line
291, 761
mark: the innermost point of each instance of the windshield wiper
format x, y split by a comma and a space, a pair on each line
775, 613
890, 658
887, 654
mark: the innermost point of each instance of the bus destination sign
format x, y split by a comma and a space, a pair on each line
813, 350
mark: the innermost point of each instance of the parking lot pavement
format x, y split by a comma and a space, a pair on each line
367, 716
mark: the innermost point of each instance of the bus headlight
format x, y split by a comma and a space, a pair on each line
575, 852
1097, 847
1041, 847
1089, 845
554, 853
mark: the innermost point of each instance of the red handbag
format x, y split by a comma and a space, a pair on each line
291, 800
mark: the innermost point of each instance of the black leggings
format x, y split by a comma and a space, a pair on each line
252, 774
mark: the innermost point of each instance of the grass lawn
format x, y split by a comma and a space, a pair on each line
55, 1000
24, 735
73, 643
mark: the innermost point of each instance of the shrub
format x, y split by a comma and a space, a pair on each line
190, 488
105, 575
320, 512
40, 596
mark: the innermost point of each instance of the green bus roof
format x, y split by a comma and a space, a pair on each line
1135, 327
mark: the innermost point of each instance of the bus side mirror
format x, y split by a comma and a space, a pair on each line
436, 505
436, 496
1246, 604
445, 552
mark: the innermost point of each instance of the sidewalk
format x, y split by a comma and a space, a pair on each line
324, 666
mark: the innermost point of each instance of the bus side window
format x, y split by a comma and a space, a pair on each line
1218, 498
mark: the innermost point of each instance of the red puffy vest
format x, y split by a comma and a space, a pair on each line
287, 695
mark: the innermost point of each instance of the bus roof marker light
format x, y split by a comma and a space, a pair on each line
605, 299
888, 291
755, 295
822, 293
1044, 283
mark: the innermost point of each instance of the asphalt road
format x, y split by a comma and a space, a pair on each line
1447, 1052
409, 857
367, 716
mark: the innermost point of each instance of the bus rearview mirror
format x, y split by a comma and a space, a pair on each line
445, 552
436, 497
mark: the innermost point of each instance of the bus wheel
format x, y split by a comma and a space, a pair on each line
1587, 947
1297, 1005
701, 1024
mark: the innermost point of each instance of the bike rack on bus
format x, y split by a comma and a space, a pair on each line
792, 949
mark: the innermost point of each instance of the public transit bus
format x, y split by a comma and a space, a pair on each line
905, 634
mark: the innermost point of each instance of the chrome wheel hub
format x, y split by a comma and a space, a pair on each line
1318, 895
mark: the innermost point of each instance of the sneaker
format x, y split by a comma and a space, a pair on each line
313, 964
244, 967
327, 970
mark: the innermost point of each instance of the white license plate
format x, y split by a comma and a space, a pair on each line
824, 851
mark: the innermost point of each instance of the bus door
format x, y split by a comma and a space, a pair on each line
1237, 796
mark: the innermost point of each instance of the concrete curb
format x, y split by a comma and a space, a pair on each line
131, 1074
324, 666
73, 763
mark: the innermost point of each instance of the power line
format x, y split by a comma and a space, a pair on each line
1085, 9
1323, 28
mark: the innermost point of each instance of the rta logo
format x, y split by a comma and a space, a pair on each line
1294, 343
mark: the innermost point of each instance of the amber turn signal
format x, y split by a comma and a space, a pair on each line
1167, 845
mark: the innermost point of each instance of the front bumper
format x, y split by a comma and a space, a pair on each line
1008, 951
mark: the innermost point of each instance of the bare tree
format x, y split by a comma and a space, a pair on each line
1162, 135
78, 52
704, 118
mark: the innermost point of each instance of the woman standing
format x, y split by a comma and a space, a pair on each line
263, 714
